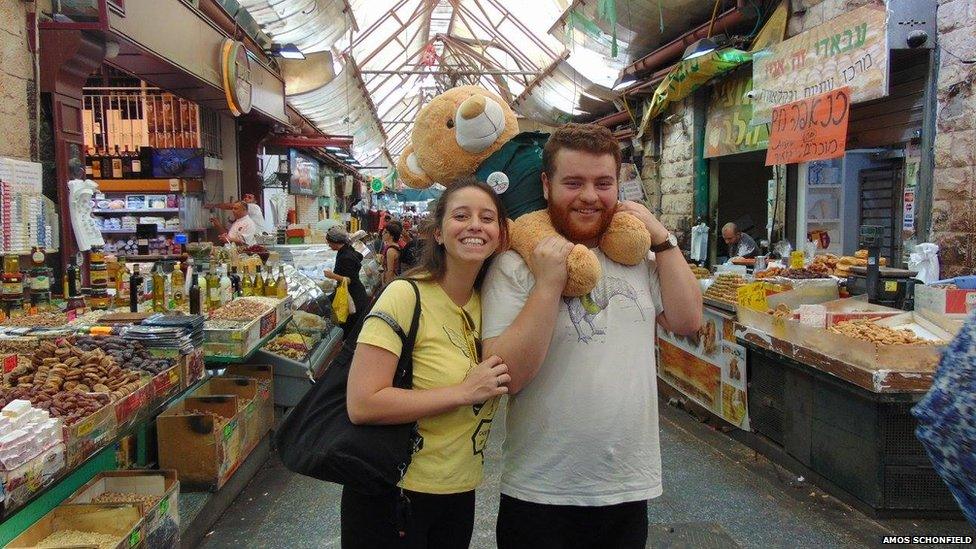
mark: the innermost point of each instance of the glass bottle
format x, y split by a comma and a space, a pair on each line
213, 289
226, 287
135, 289
247, 284
258, 281
121, 272
235, 282
177, 281
270, 287
194, 295
117, 164
136, 164
281, 284
159, 289
96, 163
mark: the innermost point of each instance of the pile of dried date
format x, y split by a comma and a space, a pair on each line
68, 368
71, 406
128, 353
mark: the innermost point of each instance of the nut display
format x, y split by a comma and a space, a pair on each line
71, 406
77, 538
869, 330
47, 320
130, 354
125, 497
18, 345
66, 367
781, 311
701, 272
245, 308
725, 288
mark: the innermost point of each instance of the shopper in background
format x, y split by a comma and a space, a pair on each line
740, 244
253, 211
410, 254
391, 251
581, 452
454, 393
242, 230
347, 266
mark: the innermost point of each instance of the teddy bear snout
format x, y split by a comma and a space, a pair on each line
472, 107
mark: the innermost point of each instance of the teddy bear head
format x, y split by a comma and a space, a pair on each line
456, 131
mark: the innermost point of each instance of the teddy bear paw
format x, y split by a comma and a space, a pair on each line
626, 240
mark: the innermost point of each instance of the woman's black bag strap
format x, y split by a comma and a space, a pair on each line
403, 378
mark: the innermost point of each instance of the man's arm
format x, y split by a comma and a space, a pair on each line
525, 342
680, 290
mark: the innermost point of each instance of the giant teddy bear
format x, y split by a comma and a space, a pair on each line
471, 131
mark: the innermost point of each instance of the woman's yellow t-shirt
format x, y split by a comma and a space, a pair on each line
451, 456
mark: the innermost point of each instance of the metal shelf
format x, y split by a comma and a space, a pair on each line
142, 211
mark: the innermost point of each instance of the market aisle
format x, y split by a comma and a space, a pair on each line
718, 493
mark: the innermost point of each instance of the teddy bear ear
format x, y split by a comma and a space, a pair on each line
410, 171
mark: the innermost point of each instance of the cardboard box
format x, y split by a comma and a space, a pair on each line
161, 520
124, 522
89, 434
23, 482
128, 407
164, 385
192, 368
946, 308
260, 415
204, 436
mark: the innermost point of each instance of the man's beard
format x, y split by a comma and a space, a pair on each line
573, 230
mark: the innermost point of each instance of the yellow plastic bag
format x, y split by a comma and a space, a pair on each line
340, 303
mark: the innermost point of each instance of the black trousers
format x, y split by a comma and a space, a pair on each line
434, 521
533, 525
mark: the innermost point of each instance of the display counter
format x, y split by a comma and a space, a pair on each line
840, 409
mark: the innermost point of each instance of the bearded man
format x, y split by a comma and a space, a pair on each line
582, 454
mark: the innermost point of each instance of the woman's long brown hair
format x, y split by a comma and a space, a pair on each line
433, 258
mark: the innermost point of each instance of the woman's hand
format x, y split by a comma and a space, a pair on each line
548, 262
484, 381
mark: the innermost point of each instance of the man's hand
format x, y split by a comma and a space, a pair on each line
548, 262
659, 233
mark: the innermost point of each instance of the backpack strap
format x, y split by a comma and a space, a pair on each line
403, 378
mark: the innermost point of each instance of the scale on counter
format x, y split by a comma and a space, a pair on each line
883, 285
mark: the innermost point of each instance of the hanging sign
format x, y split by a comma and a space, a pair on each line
851, 50
810, 129
727, 129
235, 68
376, 185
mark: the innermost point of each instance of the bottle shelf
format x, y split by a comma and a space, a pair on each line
145, 211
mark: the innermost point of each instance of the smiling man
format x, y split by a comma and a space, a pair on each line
581, 454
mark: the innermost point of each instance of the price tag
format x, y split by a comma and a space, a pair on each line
753, 296
174, 185
891, 285
9, 363
164, 506
134, 538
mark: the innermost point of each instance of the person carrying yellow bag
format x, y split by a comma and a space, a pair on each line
346, 273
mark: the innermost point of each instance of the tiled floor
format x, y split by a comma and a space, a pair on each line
717, 494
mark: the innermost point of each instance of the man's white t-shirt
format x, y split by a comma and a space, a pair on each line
242, 231
585, 430
257, 216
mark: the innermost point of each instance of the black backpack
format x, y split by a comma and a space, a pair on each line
317, 439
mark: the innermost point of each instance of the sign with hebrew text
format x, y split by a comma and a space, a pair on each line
810, 129
850, 50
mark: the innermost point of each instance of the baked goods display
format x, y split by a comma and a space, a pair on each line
842, 265
781, 311
700, 272
869, 330
725, 288
796, 274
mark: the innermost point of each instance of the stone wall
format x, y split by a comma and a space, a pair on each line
17, 90
954, 195
669, 180
806, 14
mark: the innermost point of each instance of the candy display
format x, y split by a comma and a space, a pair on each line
25, 431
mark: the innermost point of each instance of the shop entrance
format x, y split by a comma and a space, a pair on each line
738, 194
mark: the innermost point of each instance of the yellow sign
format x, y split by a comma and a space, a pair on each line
689, 75
753, 296
727, 129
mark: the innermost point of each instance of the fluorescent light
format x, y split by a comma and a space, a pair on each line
699, 48
287, 51
334, 149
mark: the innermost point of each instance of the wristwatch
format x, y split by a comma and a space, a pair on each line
670, 242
